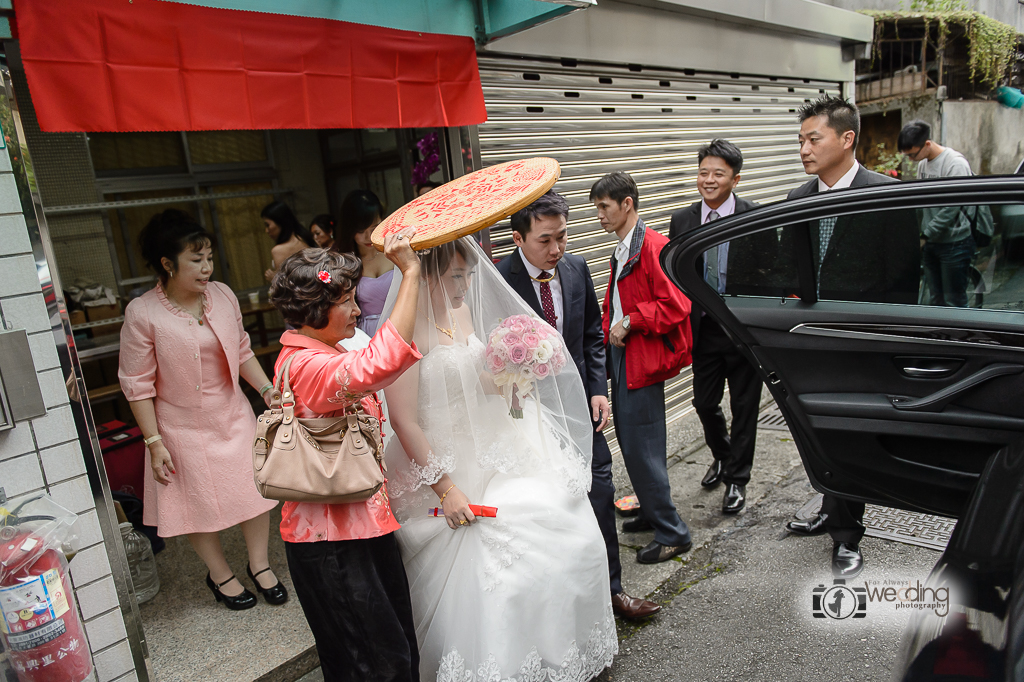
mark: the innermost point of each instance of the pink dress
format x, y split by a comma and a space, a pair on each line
191, 372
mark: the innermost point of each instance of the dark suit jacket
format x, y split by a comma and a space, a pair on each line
581, 314
872, 256
750, 258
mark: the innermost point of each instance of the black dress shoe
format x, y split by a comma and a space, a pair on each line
656, 552
714, 475
633, 608
240, 602
847, 561
734, 499
812, 526
274, 595
637, 525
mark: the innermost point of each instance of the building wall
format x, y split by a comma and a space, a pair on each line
43, 454
990, 135
1007, 11
300, 167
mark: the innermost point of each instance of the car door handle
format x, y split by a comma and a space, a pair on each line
937, 401
926, 371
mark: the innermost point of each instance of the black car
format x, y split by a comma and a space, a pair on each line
894, 393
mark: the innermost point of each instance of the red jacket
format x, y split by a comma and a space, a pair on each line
659, 342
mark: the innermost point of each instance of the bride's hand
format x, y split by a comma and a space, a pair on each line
456, 509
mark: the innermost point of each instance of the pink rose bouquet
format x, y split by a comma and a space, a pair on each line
521, 351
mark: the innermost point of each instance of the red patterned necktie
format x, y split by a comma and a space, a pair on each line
547, 304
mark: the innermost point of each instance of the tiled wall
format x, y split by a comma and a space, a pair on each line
44, 454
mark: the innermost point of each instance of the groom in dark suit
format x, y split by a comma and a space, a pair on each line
865, 257
716, 358
557, 285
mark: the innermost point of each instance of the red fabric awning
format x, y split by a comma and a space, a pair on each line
121, 65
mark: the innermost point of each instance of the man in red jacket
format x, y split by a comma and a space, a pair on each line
646, 325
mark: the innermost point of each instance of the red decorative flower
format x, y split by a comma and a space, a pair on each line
324, 276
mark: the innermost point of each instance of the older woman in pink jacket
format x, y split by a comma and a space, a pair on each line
343, 558
183, 349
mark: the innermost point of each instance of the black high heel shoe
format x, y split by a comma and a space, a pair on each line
240, 602
275, 595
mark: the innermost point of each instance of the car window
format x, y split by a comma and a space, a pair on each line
960, 256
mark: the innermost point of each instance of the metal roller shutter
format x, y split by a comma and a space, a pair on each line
649, 122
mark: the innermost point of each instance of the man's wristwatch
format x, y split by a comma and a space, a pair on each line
625, 323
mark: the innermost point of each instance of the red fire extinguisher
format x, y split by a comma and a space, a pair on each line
42, 632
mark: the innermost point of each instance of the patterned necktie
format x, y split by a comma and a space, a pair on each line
711, 258
825, 228
547, 303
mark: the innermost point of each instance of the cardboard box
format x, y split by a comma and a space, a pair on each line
103, 311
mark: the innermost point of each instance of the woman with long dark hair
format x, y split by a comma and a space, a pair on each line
360, 213
288, 234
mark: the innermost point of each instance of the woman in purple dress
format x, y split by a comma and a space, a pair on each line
360, 213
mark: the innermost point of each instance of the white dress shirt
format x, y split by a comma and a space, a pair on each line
621, 254
727, 208
556, 288
841, 183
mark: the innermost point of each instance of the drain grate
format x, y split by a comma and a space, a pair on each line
772, 419
898, 525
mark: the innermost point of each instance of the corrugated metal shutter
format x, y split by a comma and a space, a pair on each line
649, 122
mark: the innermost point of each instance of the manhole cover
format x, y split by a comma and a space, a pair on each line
772, 419
898, 525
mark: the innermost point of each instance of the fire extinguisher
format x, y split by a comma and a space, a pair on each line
42, 632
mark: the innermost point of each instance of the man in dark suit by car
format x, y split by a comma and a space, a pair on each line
872, 257
716, 358
558, 287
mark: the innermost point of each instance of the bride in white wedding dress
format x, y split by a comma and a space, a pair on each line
522, 596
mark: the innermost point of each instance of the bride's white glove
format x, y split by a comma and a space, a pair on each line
456, 509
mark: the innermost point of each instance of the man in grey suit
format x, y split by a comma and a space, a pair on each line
866, 257
716, 358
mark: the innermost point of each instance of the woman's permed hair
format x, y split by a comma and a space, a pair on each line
302, 298
279, 212
358, 211
168, 235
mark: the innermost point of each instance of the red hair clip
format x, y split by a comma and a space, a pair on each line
324, 276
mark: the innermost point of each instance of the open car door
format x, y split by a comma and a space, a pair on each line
899, 369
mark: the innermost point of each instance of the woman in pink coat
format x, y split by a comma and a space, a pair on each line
343, 558
183, 348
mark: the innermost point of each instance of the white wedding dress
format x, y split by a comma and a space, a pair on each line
521, 597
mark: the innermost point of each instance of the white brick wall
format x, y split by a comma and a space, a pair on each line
44, 454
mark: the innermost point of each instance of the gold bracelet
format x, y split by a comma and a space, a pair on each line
446, 494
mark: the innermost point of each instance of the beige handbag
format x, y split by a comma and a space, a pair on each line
330, 460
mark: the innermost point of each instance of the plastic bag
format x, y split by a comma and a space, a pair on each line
40, 624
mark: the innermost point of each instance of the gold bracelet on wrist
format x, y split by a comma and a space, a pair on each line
446, 494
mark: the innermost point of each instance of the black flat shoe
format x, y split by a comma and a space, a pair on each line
812, 526
275, 595
734, 499
637, 525
714, 475
847, 561
240, 602
656, 552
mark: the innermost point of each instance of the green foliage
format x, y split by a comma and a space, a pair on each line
992, 44
889, 163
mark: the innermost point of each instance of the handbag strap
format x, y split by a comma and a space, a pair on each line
283, 400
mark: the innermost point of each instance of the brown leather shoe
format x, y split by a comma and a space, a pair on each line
633, 608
